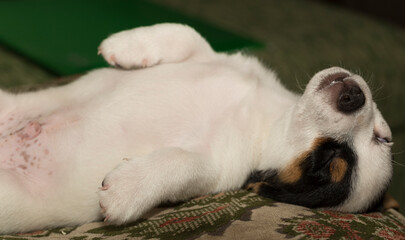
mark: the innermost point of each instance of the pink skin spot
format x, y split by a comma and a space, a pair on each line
27, 148
30, 131
22, 166
25, 156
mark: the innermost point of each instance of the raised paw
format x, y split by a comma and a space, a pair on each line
149, 46
131, 49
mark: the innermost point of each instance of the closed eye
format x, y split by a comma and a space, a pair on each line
382, 140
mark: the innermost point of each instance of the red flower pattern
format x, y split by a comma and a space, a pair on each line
339, 215
373, 215
315, 229
350, 233
391, 234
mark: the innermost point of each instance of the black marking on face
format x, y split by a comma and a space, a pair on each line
320, 177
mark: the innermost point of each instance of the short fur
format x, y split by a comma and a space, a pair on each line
178, 120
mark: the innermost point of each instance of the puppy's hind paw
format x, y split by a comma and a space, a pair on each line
124, 197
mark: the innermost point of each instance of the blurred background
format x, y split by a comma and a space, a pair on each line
296, 38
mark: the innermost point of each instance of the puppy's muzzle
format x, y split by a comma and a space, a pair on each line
344, 92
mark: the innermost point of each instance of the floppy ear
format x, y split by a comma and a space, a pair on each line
320, 177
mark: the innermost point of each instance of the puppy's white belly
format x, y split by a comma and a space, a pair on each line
151, 110
170, 107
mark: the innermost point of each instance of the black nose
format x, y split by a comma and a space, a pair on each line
351, 99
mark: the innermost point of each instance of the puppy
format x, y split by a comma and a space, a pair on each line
177, 120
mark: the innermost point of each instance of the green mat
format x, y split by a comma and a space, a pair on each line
63, 36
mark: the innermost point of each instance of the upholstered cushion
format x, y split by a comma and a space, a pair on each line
238, 215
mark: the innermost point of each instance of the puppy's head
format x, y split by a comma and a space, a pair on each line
341, 148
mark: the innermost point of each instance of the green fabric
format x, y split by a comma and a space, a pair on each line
63, 36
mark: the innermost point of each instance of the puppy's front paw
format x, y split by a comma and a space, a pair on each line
131, 49
125, 195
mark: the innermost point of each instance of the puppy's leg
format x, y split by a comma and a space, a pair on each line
160, 43
49, 100
139, 184
17, 208
22, 210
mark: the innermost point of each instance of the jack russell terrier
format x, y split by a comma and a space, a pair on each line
175, 120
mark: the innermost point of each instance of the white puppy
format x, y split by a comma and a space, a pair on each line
190, 122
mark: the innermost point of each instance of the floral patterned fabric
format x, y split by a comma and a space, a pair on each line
238, 215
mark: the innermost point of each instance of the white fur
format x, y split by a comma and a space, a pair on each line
192, 122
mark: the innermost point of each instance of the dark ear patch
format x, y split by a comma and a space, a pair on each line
319, 177
293, 172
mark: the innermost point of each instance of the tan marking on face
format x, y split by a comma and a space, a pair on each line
255, 187
293, 172
337, 169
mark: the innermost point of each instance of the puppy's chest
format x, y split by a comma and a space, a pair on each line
30, 146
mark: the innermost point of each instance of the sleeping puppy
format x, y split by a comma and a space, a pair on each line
176, 120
